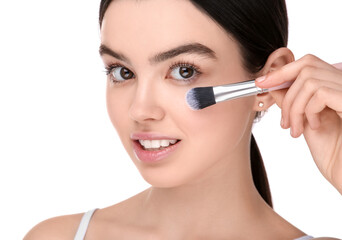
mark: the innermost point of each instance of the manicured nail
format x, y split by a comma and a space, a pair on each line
260, 79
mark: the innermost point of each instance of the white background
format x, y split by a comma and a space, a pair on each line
59, 153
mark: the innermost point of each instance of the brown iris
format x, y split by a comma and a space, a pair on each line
125, 73
186, 72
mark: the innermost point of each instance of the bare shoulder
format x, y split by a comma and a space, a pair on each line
61, 228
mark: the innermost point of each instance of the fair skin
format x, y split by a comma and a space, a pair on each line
204, 189
312, 107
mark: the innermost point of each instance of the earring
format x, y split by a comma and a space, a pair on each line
261, 104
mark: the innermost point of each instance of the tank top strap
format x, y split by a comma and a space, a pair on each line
82, 228
304, 238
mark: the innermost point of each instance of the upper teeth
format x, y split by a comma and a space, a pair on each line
156, 143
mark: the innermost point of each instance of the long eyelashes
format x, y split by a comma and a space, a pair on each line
188, 72
111, 70
187, 67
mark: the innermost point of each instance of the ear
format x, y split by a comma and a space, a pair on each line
276, 60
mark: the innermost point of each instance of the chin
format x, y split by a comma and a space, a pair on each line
163, 179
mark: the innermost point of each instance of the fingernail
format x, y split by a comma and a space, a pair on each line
282, 122
260, 79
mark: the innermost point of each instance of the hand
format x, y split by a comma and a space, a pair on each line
313, 106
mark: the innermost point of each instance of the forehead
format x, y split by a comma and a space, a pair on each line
154, 25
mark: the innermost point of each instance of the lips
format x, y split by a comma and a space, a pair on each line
151, 147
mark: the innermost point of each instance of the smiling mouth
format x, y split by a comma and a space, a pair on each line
156, 145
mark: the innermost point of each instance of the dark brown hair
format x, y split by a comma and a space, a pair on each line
259, 27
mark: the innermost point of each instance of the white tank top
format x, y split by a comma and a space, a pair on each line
82, 228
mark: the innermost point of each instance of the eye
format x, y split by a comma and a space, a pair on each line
184, 71
118, 73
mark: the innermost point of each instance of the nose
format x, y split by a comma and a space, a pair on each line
146, 105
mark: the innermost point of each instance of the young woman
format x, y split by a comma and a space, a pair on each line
206, 173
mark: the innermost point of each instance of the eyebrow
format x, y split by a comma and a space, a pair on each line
195, 48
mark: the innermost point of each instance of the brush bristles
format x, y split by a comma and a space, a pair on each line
201, 97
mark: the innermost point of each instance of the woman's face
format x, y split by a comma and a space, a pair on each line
155, 51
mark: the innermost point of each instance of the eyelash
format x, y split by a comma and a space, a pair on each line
191, 65
110, 68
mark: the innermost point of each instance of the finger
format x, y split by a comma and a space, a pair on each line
294, 106
297, 111
303, 89
314, 121
324, 97
278, 96
290, 71
307, 80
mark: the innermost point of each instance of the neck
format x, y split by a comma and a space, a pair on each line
225, 193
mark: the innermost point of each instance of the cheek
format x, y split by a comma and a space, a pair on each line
117, 104
218, 129
210, 135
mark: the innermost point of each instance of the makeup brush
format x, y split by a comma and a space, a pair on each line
202, 97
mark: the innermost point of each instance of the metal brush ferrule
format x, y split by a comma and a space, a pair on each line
237, 90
